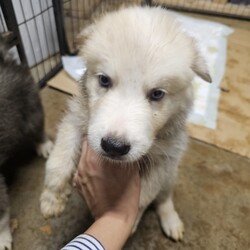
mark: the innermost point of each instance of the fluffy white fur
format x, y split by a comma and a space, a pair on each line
140, 49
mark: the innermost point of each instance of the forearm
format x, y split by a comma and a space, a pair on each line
111, 230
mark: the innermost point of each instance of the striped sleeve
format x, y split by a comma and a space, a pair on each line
84, 242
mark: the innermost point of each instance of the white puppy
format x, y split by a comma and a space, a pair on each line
135, 98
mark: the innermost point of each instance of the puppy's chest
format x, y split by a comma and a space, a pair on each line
155, 177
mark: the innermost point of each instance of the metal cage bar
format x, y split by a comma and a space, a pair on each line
58, 13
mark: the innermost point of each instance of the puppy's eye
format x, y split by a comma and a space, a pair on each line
104, 81
156, 95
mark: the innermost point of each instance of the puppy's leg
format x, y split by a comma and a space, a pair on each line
169, 218
5, 234
45, 147
60, 167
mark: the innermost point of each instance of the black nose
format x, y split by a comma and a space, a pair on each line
114, 147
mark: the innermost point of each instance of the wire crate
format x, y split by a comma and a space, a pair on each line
239, 9
41, 31
79, 13
29, 27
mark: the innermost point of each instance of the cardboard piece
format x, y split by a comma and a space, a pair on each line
63, 82
233, 121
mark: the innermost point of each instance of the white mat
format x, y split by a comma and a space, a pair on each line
212, 41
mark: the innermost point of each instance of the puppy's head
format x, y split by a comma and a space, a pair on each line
140, 66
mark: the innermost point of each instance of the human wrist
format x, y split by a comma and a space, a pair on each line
120, 218
111, 225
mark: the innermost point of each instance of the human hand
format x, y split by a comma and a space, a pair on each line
108, 188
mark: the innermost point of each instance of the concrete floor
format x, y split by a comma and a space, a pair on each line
212, 197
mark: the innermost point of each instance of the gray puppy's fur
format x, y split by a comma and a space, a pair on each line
148, 62
21, 126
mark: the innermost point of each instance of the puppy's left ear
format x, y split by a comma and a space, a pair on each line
199, 66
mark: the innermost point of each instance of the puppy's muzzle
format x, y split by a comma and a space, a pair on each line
114, 147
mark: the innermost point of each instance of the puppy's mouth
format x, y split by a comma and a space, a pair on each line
115, 158
143, 163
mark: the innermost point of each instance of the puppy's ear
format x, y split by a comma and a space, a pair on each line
84, 35
199, 66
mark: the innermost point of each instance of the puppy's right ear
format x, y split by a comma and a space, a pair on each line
199, 65
84, 35
200, 68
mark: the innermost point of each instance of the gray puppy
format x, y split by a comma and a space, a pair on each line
21, 126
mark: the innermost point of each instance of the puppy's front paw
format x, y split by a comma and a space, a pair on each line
52, 204
5, 239
172, 226
44, 149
